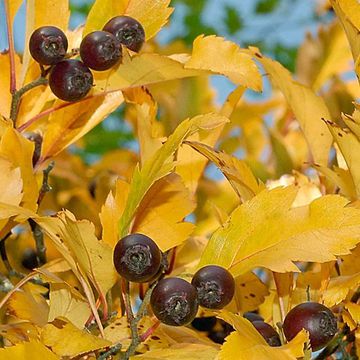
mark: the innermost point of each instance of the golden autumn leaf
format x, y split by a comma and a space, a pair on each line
247, 344
258, 233
308, 108
33, 350
10, 183
162, 210
161, 164
70, 123
220, 56
339, 288
152, 15
349, 145
65, 339
235, 170
85, 252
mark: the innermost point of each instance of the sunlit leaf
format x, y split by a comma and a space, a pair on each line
32, 349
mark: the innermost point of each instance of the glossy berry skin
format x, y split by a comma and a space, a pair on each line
100, 50
137, 258
70, 80
268, 332
127, 30
251, 316
174, 301
215, 286
48, 45
316, 318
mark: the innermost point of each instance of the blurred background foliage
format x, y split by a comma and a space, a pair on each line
277, 27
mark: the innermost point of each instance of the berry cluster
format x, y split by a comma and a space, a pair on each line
71, 79
174, 301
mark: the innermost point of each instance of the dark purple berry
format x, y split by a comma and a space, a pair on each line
204, 323
137, 258
215, 286
316, 318
48, 45
127, 30
268, 332
174, 301
100, 50
70, 80
251, 316
219, 335
29, 259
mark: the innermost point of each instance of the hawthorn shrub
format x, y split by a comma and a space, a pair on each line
143, 254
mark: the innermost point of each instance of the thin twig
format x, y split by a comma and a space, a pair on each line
11, 48
112, 351
5, 284
16, 98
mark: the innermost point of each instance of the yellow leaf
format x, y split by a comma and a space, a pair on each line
19, 332
28, 306
181, 352
152, 15
19, 152
349, 146
354, 310
235, 170
267, 232
65, 339
247, 344
339, 288
250, 292
162, 210
64, 303
161, 164
217, 55
67, 125
10, 183
86, 252
142, 69
28, 350
307, 107
111, 212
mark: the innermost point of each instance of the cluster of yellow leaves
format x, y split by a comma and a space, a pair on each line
289, 205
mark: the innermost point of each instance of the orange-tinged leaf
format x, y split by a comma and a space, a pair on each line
152, 15
19, 332
65, 339
142, 69
70, 123
235, 170
28, 350
161, 164
162, 210
247, 344
5, 98
267, 232
339, 288
27, 306
220, 56
86, 252
307, 107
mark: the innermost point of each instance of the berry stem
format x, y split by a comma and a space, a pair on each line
16, 98
280, 297
11, 48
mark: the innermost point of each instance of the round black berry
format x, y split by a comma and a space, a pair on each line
174, 301
218, 335
316, 318
127, 30
100, 50
215, 286
267, 332
204, 323
70, 80
137, 258
29, 259
48, 45
251, 316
